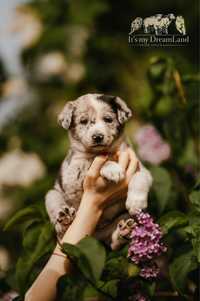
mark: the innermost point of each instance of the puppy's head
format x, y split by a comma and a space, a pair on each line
95, 121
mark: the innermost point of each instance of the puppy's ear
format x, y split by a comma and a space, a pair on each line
65, 117
123, 111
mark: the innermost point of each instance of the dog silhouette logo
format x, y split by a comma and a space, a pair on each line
158, 24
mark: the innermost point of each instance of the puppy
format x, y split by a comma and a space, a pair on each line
95, 123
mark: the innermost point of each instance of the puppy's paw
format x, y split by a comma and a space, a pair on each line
112, 171
64, 218
122, 233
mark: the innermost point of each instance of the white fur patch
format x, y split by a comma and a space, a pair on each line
112, 171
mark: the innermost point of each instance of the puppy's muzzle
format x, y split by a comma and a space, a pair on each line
97, 138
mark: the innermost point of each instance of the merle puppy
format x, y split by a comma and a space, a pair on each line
95, 123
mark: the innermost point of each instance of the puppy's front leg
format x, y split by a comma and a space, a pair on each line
112, 171
61, 214
138, 190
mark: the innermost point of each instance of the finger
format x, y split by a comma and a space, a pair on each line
123, 159
123, 147
132, 164
101, 183
94, 170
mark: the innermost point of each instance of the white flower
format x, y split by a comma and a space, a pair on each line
4, 261
20, 28
16, 97
6, 208
75, 73
55, 64
26, 26
15, 87
20, 169
51, 64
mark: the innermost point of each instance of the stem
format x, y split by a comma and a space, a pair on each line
166, 294
179, 86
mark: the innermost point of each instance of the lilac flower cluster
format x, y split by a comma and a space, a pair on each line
9, 296
138, 297
138, 294
146, 244
149, 271
151, 146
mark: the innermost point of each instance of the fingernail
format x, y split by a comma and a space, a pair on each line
123, 147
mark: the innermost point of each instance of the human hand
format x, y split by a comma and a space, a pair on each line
101, 191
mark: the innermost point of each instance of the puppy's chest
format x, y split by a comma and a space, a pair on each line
73, 172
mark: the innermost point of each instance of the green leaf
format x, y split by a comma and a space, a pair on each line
151, 287
117, 253
164, 106
180, 268
27, 216
116, 267
78, 16
195, 200
44, 243
20, 217
31, 235
95, 253
90, 293
27, 262
120, 268
71, 287
89, 256
133, 270
196, 246
194, 231
162, 185
172, 220
109, 287
157, 70
197, 184
79, 259
189, 156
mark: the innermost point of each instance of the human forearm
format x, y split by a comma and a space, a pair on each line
85, 222
44, 287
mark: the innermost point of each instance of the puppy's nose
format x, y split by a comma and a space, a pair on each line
97, 138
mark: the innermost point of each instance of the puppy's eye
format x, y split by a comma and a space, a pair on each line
84, 121
108, 119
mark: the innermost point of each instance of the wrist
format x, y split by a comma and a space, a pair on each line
93, 201
85, 222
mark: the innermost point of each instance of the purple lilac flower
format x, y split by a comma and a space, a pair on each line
151, 146
9, 296
138, 297
149, 271
146, 244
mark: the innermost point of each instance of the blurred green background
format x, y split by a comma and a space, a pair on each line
56, 50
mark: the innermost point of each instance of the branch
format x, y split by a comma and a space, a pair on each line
166, 294
179, 86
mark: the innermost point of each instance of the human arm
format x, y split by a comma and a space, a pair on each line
97, 193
